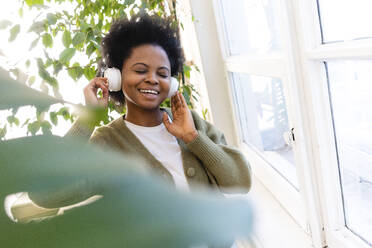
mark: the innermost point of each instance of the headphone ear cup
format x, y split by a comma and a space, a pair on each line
113, 76
173, 87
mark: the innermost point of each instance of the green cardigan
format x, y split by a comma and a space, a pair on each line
207, 160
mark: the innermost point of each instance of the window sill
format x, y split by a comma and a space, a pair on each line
274, 226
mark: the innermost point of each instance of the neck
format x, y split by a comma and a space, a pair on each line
143, 117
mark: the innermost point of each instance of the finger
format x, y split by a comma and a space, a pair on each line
90, 89
183, 101
166, 120
173, 104
102, 79
105, 92
100, 84
178, 100
105, 80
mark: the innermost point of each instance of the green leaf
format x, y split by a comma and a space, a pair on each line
186, 70
187, 94
91, 49
37, 27
89, 73
57, 67
66, 38
48, 62
31, 80
129, 2
47, 40
73, 72
28, 63
34, 43
64, 111
13, 94
14, 31
20, 12
34, 2
16, 121
12, 120
46, 127
53, 118
3, 132
66, 55
4, 24
78, 39
33, 127
52, 19
83, 25
137, 209
76, 71
26, 122
44, 74
205, 112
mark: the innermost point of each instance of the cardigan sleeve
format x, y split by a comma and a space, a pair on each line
227, 164
80, 129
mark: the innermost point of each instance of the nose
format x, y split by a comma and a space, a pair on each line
151, 78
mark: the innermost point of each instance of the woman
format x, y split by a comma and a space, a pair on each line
178, 145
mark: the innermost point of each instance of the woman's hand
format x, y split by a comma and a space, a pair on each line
182, 125
90, 92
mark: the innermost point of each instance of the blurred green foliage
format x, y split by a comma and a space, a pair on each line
137, 209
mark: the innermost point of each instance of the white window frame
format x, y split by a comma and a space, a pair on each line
315, 84
318, 207
281, 65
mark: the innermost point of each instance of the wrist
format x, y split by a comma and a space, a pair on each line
188, 137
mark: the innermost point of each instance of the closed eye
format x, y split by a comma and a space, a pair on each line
163, 75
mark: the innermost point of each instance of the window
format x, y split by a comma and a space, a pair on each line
263, 118
300, 74
343, 20
255, 51
259, 100
350, 88
259, 19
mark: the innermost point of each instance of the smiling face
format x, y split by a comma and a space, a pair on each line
146, 77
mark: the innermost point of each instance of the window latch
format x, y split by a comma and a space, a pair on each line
289, 137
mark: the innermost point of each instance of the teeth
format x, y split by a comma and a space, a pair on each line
149, 91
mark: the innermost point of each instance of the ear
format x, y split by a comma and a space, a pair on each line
113, 76
173, 87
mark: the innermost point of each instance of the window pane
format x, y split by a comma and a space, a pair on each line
350, 84
263, 119
345, 20
251, 25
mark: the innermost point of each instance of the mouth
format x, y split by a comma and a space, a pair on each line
149, 91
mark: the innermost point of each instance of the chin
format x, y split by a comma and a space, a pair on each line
149, 105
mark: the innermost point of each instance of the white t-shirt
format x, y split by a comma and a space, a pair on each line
165, 148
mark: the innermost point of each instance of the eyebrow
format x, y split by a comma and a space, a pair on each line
140, 63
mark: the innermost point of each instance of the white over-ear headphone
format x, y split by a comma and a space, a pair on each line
113, 76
